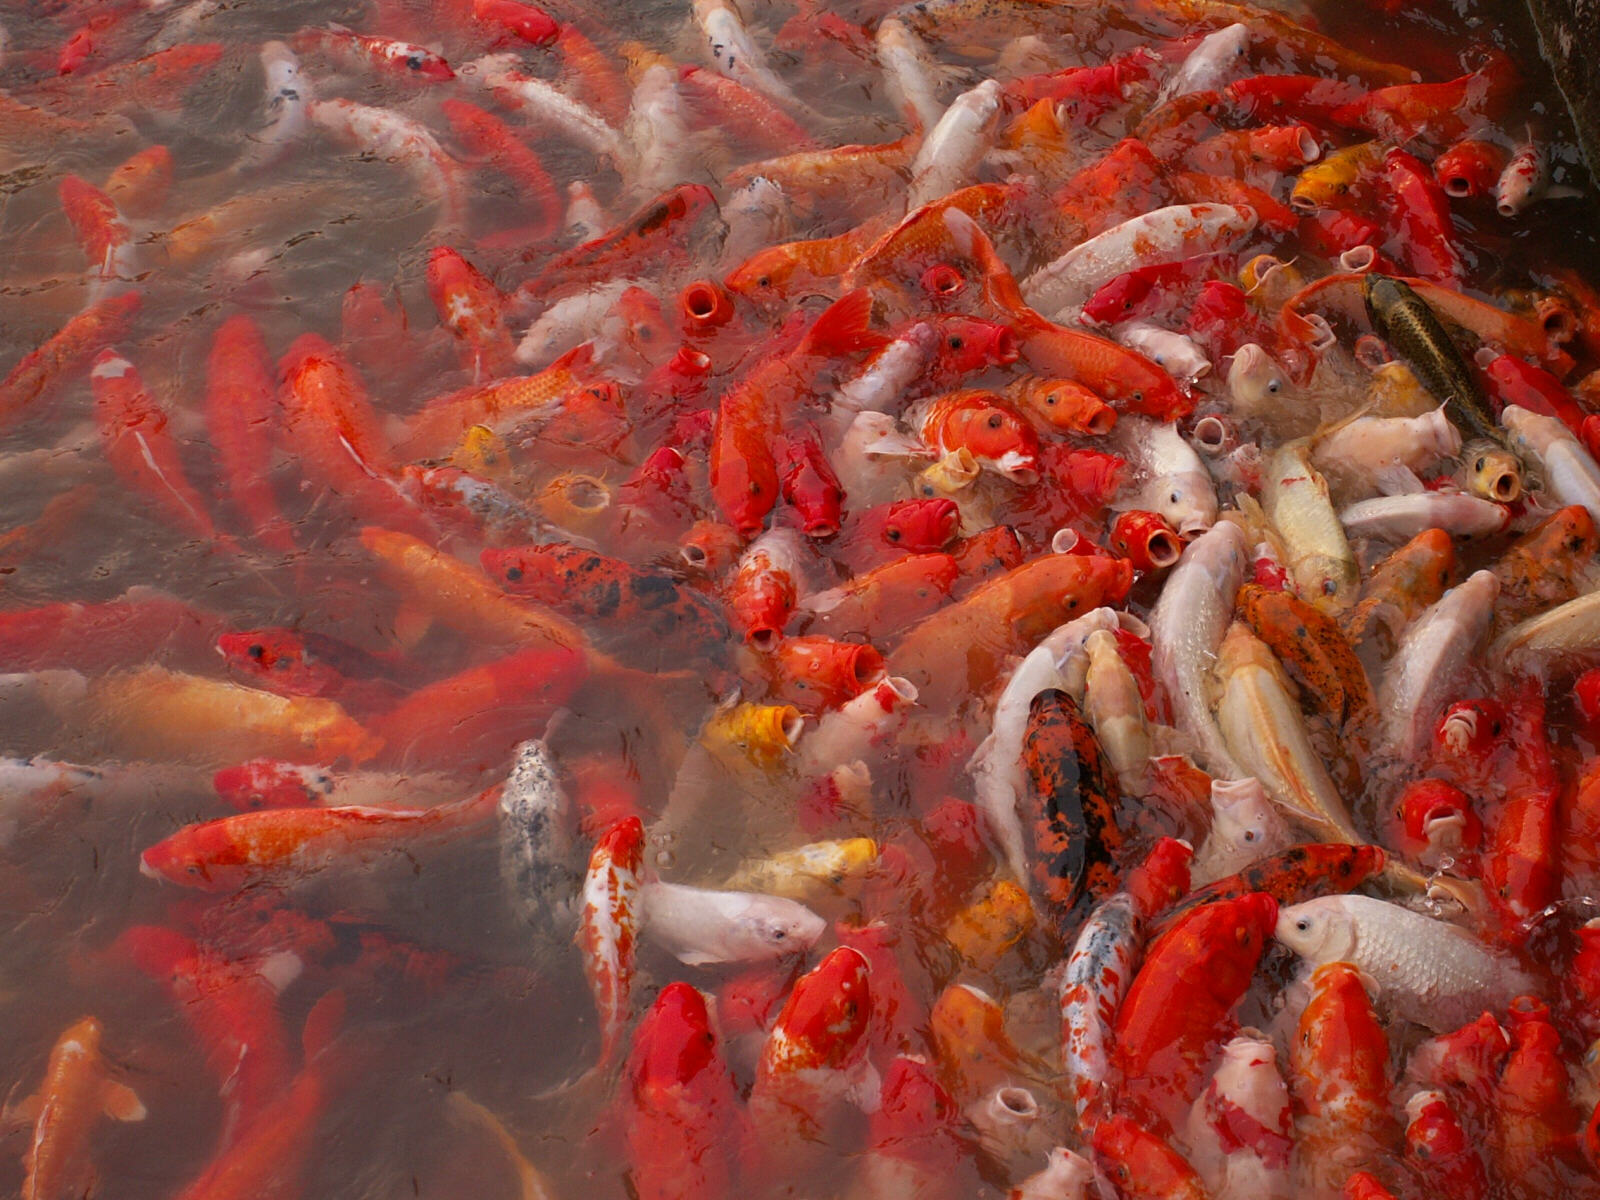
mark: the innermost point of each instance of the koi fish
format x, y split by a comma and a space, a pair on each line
608, 929
231, 853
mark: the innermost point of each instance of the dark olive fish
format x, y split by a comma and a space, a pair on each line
1404, 320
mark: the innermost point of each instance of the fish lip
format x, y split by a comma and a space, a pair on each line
149, 871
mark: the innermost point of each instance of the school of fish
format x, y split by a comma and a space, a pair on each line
851, 598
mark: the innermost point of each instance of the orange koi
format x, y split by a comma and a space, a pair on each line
981, 423
662, 229
1062, 405
470, 307
232, 853
1003, 616
239, 409
75, 1091
1142, 1165
853, 172
1535, 1123
885, 599
437, 429
781, 272
815, 673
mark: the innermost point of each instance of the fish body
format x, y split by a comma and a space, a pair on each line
1241, 1130
538, 864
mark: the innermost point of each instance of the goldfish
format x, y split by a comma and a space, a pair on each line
608, 929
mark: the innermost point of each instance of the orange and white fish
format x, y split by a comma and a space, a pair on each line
609, 928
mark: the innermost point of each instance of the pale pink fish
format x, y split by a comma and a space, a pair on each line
1400, 518
1163, 235
1240, 1130
1525, 179
390, 136
550, 108
609, 930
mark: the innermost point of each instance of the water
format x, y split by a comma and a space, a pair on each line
447, 992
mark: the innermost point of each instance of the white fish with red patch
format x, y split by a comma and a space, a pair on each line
1099, 970
1163, 235
739, 58
1245, 826
549, 107
1217, 56
1240, 1131
608, 931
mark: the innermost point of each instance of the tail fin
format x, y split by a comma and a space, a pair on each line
843, 328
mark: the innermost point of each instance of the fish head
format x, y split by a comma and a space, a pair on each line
263, 652
1471, 730
968, 344
1318, 930
746, 488
1327, 581
921, 525
1255, 380
763, 733
995, 434
195, 856
521, 569
824, 1021
1162, 878
1429, 559
767, 276
1186, 500
772, 927
1146, 539
674, 1042
1492, 473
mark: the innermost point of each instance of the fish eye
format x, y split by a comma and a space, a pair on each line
957, 342
996, 420
755, 488
892, 533
1329, 587
1174, 498
257, 651
1273, 387
193, 869
414, 61
764, 281
1050, 400
1138, 396
513, 573
1480, 464
779, 934
1303, 925
1249, 835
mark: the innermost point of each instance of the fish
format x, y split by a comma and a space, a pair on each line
230, 853
76, 1090
538, 842
703, 926
608, 929
1426, 970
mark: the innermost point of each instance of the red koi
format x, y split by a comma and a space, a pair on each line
497, 144
1418, 214
660, 230
816, 673
802, 1076
1535, 1130
1126, 181
914, 1139
807, 481
1521, 863
142, 449
268, 1158
1440, 1152
1438, 818
1441, 113
1179, 1009
885, 599
155, 83
983, 424
478, 714
1146, 540
1223, 319
596, 78
1141, 1164
240, 413
705, 307
1082, 95
1153, 291
1127, 380
743, 112
1470, 169
231, 1008
1364, 1185
1514, 380
1339, 1079
885, 532
1265, 98
898, 1013
681, 1111
1194, 187
106, 238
